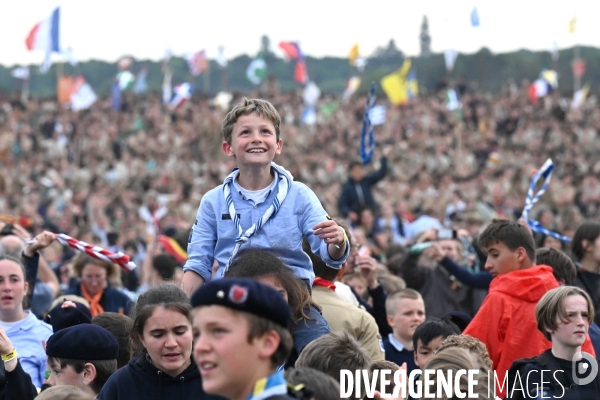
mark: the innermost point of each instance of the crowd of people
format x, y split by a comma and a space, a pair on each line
294, 271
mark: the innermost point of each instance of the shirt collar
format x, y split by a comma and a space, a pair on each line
399, 346
270, 386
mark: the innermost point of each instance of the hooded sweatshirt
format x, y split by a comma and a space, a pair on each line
139, 379
506, 320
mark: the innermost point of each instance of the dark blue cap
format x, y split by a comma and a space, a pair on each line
61, 318
245, 295
83, 342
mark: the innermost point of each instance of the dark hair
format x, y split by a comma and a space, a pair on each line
165, 264
320, 269
434, 328
587, 231
258, 326
322, 386
562, 266
104, 369
164, 295
120, 326
130, 244
510, 234
357, 162
256, 264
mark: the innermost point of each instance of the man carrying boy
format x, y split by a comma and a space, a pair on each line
84, 356
259, 205
241, 338
406, 311
505, 322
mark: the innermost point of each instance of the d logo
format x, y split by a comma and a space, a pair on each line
586, 361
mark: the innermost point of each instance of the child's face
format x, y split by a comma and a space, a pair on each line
358, 285
64, 376
253, 141
229, 365
502, 260
423, 353
573, 333
410, 313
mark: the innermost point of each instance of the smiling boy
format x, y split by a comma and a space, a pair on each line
506, 320
259, 205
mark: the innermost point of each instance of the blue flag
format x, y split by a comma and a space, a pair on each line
367, 150
115, 96
474, 18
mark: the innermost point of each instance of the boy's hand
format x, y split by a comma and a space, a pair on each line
330, 232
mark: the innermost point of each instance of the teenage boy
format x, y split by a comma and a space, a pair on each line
405, 312
241, 332
563, 316
84, 356
259, 205
429, 336
505, 322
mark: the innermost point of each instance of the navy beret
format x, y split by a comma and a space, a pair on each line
83, 342
245, 295
61, 318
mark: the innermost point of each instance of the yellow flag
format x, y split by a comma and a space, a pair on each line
397, 86
353, 54
572, 24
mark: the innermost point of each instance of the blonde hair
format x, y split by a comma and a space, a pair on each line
471, 344
552, 305
391, 303
63, 392
455, 359
249, 106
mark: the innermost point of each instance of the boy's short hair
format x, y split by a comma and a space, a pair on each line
382, 365
165, 264
511, 234
562, 266
587, 231
391, 303
104, 369
321, 385
320, 268
120, 326
469, 343
332, 353
248, 106
258, 326
552, 305
434, 328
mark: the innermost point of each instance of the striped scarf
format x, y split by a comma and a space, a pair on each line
270, 386
284, 183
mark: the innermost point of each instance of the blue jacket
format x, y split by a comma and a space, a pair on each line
112, 300
213, 234
139, 379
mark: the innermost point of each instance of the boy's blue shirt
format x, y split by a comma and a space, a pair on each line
213, 233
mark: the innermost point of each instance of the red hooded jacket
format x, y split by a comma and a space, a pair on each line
506, 320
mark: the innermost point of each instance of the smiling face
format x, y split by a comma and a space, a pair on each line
167, 337
572, 334
254, 141
94, 278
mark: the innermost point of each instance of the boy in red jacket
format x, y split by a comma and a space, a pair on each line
506, 320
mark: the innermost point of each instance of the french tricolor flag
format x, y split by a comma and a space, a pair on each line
45, 34
181, 94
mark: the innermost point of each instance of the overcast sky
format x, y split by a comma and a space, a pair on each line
109, 29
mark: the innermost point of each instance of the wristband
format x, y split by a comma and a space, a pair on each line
10, 356
345, 238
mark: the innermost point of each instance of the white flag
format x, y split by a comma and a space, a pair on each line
221, 60
311, 94
257, 71
377, 115
83, 98
21, 73
449, 58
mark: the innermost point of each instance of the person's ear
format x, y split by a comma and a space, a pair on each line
521, 254
267, 344
227, 149
585, 244
390, 320
89, 373
279, 146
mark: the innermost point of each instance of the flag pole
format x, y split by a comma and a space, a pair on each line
207, 78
